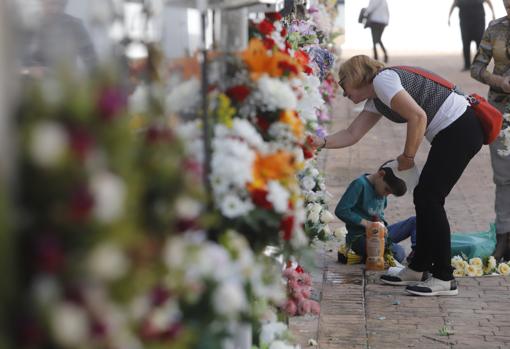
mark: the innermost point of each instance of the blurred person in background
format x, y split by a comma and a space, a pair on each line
377, 18
61, 40
495, 46
472, 24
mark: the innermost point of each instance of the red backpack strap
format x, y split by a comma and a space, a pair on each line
428, 75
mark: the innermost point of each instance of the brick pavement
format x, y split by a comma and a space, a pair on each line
358, 311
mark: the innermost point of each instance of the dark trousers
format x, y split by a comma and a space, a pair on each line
471, 29
451, 151
377, 30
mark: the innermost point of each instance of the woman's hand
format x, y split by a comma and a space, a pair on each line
316, 141
505, 84
404, 162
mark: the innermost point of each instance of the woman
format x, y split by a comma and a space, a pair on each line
472, 24
449, 123
495, 45
378, 18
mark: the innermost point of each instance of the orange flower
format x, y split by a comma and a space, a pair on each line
282, 64
277, 166
256, 57
291, 118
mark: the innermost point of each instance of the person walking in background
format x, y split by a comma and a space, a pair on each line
377, 18
472, 24
448, 122
495, 45
61, 40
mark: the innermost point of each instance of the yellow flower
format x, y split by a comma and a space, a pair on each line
477, 262
504, 269
225, 111
459, 273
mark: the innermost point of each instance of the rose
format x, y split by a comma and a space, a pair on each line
504, 269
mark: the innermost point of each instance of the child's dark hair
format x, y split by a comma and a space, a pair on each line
398, 186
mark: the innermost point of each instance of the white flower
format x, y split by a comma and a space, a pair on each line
503, 269
244, 129
108, 262
314, 212
299, 238
471, 270
458, 273
69, 325
281, 345
48, 143
311, 97
340, 233
278, 196
139, 100
272, 331
308, 183
491, 264
188, 208
46, 290
109, 194
232, 206
276, 94
326, 217
477, 262
166, 315
458, 263
174, 253
229, 299
184, 97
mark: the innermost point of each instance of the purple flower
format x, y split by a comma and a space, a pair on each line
111, 102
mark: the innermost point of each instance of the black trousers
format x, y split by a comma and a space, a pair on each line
377, 30
471, 29
451, 151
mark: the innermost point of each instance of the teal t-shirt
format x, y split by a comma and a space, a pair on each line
360, 201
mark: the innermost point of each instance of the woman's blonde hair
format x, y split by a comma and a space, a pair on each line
359, 71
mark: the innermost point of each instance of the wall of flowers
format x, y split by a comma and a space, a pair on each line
118, 244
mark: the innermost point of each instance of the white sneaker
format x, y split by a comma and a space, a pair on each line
434, 287
403, 276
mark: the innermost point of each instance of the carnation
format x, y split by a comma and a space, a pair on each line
278, 196
229, 299
276, 94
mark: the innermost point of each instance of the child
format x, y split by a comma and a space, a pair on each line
365, 200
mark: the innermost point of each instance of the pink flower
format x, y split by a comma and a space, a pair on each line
304, 307
290, 308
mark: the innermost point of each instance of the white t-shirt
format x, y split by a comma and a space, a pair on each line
377, 11
387, 84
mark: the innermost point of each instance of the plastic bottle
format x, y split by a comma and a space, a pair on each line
374, 235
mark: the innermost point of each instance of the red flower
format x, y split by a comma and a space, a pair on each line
307, 152
238, 93
265, 27
269, 43
262, 123
81, 204
300, 269
49, 255
287, 68
157, 134
308, 70
111, 102
283, 33
259, 197
273, 16
81, 141
287, 226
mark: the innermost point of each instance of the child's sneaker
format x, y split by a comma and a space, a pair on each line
434, 287
403, 276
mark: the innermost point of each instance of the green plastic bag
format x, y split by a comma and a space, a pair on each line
474, 244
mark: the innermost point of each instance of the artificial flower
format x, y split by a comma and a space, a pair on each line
48, 143
504, 269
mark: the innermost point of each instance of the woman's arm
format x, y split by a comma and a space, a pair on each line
351, 135
406, 106
481, 61
489, 3
454, 4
